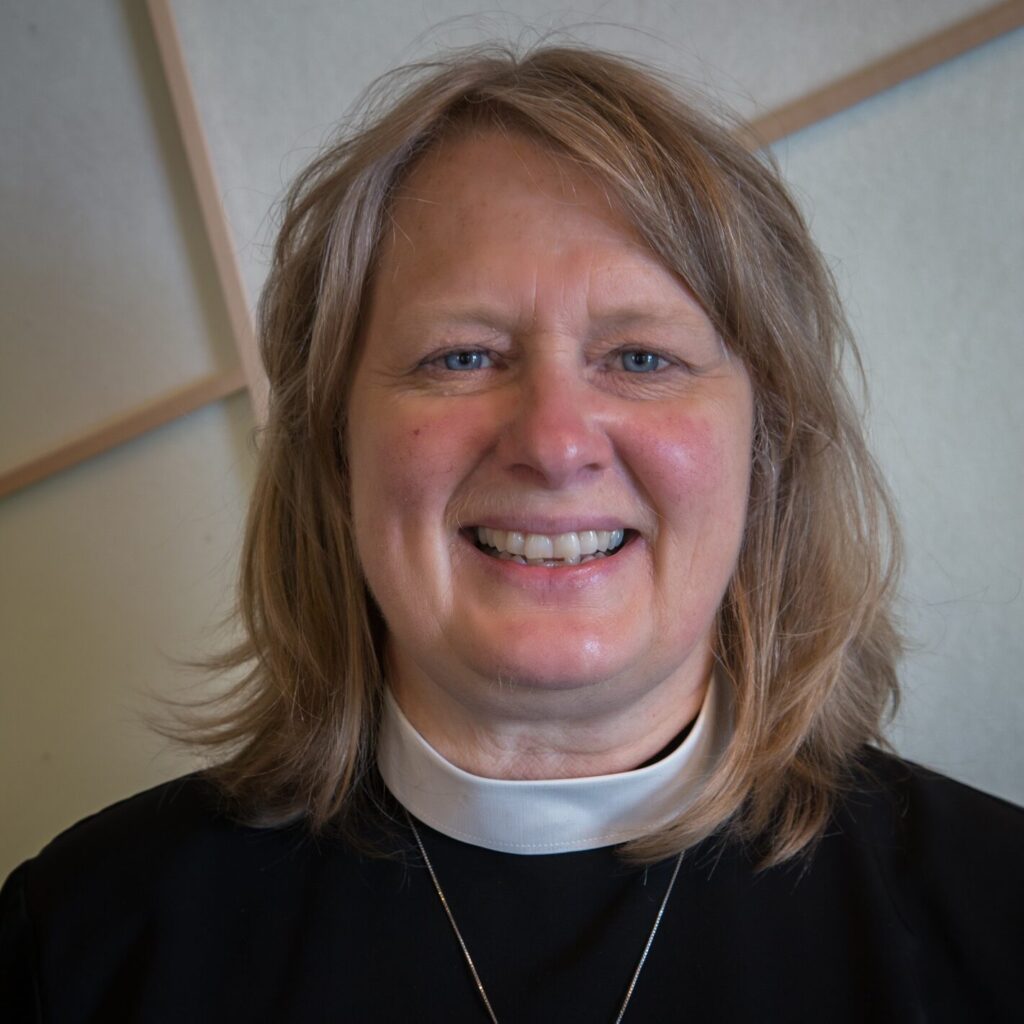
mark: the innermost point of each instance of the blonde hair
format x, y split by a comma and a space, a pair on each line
805, 633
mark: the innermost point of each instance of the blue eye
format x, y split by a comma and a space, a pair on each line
467, 359
638, 361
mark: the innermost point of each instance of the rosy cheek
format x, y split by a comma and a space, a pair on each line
687, 456
413, 455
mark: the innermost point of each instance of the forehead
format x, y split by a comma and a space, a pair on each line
471, 171
487, 211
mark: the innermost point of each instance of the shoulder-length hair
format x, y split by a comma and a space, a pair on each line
804, 636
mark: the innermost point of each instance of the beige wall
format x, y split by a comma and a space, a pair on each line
111, 571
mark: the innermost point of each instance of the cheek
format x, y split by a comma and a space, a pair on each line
694, 458
404, 460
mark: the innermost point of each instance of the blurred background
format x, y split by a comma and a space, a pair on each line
115, 571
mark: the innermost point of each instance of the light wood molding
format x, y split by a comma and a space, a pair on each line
792, 117
123, 427
887, 72
204, 178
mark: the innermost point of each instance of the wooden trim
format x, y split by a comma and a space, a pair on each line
218, 228
887, 72
837, 96
123, 428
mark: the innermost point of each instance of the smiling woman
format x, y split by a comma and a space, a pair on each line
567, 594
515, 407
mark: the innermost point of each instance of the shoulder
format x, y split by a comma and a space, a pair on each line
145, 835
55, 905
175, 808
923, 811
164, 853
948, 858
172, 843
166, 881
928, 829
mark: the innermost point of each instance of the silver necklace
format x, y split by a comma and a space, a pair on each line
465, 949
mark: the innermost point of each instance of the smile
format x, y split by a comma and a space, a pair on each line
549, 550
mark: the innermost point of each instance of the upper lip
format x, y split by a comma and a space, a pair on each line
550, 525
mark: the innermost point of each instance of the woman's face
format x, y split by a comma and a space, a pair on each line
533, 385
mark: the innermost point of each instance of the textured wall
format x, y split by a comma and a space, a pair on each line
113, 570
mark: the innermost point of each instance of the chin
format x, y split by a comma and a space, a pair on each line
556, 658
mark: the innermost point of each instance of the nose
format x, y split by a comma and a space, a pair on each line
556, 435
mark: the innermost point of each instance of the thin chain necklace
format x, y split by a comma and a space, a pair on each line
465, 949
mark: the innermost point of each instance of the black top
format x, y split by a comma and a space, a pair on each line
160, 908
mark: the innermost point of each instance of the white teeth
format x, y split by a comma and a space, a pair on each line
539, 548
567, 547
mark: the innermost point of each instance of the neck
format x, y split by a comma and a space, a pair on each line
532, 733
551, 815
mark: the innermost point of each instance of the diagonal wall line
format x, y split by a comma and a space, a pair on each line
888, 71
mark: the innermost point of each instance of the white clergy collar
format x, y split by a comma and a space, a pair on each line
548, 815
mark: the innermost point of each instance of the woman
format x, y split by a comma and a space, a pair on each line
568, 619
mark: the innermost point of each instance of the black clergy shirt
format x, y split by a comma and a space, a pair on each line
162, 909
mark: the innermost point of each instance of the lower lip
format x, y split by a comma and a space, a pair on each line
542, 577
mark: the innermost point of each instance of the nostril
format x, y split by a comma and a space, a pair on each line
557, 456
